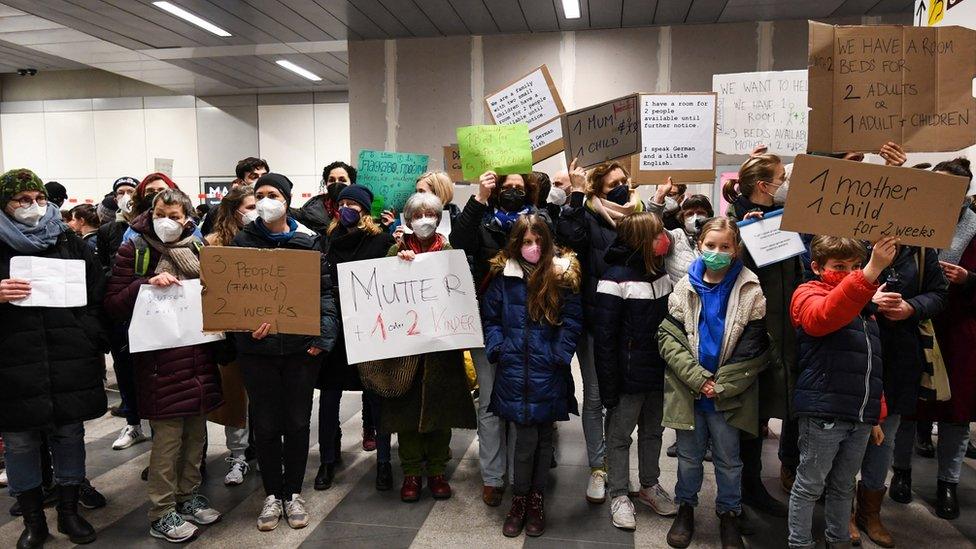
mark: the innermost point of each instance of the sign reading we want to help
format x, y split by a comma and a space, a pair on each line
870, 201
874, 84
768, 108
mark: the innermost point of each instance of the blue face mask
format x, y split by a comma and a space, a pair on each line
349, 217
716, 261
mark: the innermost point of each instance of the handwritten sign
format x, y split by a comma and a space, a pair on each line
870, 201
392, 176
677, 139
167, 318
452, 163
392, 308
879, 83
766, 242
54, 282
767, 108
504, 149
534, 101
602, 132
245, 287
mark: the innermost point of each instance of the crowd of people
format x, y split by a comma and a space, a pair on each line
670, 320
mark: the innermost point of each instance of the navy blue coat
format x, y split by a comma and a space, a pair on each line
533, 382
629, 305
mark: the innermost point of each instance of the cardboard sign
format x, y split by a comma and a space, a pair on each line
870, 201
503, 149
677, 139
167, 318
452, 163
54, 282
766, 242
879, 83
392, 308
244, 287
392, 176
602, 132
768, 108
534, 101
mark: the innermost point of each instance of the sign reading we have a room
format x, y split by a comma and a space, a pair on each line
871, 201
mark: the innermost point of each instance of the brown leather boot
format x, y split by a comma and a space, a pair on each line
868, 515
683, 528
515, 519
492, 495
535, 520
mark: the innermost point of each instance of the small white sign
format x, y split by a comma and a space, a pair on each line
677, 132
170, 317
766, 242
54, 282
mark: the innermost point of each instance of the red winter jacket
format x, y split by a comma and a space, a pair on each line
820, 311
170, 383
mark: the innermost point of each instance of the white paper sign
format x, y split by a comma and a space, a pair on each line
528, 100
170, 317
164, 165
546, 134
392, 308
677, 132
768, 108
54, 282
444, 227
766, 243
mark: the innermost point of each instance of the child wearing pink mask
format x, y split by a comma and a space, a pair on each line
532, 318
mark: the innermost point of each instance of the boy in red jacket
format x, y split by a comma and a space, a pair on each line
838, 397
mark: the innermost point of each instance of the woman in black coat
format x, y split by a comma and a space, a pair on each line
53, 363
352, 236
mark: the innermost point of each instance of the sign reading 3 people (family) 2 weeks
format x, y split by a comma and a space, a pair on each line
761, 108
393, 308
532, 100
871, 201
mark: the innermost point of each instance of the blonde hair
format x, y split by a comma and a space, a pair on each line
721, 224
366, 224
440, 184
758, 168
639, 231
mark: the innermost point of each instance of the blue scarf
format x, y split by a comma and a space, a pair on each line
32, 240
277, 237
505, 220
711, 324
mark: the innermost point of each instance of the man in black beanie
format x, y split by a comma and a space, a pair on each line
56, 193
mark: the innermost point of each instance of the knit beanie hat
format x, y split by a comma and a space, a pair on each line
56, 192
18, 181
278, 181
141, 187
125, 180
358, 194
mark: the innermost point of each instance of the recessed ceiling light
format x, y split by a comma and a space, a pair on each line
192, 18
305, 73
571, 9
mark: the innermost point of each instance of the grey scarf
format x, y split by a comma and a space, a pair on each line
32, 240
965, 231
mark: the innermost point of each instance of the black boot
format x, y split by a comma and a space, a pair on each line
35, 523
923, 445
70, 523
384, 477
683, 528
729, 530
946, 505
325, 476
901, 485
754, 495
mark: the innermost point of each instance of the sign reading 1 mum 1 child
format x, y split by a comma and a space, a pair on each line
393, 308
870, 201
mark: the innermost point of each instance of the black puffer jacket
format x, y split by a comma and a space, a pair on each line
109, 237
53, 359
313, 214
288, 344
630, 305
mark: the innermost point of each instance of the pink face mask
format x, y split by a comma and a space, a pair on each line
531, 253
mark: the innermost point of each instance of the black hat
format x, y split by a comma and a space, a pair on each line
125, 180
56, 192
359, 194
109, 203
278, 181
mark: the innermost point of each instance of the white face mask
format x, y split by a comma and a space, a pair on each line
166, 229
424, 227
779, 197
557, 196
31, 215
670, 204
270, 209
125, 203
691, 223
250, 216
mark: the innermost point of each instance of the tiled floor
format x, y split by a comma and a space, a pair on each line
353, 514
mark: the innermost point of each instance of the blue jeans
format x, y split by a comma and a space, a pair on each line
950, 448
830, 455
877, 459
22, 452
725, 458
592, 415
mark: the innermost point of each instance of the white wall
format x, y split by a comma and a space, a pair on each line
86, 144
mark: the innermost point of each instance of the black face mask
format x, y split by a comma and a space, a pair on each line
333, 189
146, 203
619, 194
511, 200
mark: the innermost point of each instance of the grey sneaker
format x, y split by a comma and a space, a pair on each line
238, 470
270, 514
172, 528
197, 509
658, 499
295, 512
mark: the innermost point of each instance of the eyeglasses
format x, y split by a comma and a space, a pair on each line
26, 202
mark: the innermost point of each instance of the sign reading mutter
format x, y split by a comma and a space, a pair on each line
393, 308
245, 287
870, 201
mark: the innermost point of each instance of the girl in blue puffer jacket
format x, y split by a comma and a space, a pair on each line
532, 318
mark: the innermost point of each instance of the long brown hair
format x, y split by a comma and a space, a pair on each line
758, 168
225, 223
531, 189
639, 231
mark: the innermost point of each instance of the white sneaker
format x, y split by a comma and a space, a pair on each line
270, 514
658, 499
198, 510
295, 512
3, 478
622, 513
596, 490
130, 434
238, 470
172, 528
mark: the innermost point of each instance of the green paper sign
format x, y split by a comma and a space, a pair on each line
504, 149
392, 177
